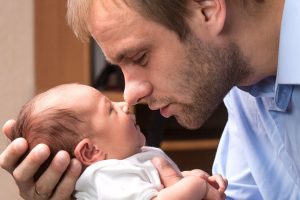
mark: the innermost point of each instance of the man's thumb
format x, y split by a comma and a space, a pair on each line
7, 128
168, 175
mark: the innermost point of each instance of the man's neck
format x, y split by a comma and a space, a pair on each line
255, 28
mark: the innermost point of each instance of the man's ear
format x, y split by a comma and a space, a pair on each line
208, 17
87, 153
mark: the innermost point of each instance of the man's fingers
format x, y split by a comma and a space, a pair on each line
24, 172
50, 178
31, 164
66, 187
168, 175
13, 152
7, 128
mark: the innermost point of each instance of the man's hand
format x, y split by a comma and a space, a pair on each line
168, 175
57, 182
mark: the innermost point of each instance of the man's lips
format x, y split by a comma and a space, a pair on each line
165, 111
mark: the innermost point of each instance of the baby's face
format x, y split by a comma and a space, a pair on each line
108, 126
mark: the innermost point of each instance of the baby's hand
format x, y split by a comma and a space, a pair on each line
195, 184
217, 181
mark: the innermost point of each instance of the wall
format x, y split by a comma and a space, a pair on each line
16, 71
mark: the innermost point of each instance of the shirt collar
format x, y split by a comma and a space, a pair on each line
266, 88
288, 70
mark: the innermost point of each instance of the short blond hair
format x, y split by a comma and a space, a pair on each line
169, 13
77, 16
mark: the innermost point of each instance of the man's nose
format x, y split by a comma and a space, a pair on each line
136, 91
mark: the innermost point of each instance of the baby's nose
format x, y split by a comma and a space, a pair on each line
123, 106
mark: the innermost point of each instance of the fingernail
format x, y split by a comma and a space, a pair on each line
19, 144
42, 150
76, 164
63, 157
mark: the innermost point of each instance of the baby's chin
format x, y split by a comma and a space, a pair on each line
143, 140
141, 145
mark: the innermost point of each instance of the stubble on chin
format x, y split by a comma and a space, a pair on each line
210, 73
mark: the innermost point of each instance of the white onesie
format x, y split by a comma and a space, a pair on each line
134, 178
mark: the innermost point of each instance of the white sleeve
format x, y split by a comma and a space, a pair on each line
123, 181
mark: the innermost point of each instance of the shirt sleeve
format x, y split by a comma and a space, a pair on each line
232, 157
126, 182
250, 154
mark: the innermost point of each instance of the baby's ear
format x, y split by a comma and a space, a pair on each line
88, 153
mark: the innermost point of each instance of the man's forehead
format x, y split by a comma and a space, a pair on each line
110, 5
109, 8
106, 14
118, 33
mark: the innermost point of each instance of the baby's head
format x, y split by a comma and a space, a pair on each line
82, 121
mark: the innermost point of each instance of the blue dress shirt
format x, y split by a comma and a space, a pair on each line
259, 151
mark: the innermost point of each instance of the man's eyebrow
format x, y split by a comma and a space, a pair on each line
118, 58
124, 53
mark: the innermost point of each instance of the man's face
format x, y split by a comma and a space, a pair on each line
186, 79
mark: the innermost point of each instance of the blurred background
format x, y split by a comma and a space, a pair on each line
16, 71
38, 51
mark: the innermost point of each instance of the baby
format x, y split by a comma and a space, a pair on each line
105, 138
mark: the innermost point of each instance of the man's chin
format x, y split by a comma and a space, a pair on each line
188, 123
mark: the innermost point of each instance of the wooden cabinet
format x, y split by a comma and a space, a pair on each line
59, 56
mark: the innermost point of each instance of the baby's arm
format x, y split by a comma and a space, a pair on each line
194, 187
217, 181
190, 187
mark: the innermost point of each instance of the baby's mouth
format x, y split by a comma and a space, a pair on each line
135, 123
137, 127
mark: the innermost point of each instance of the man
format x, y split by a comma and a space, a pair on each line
183, 57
